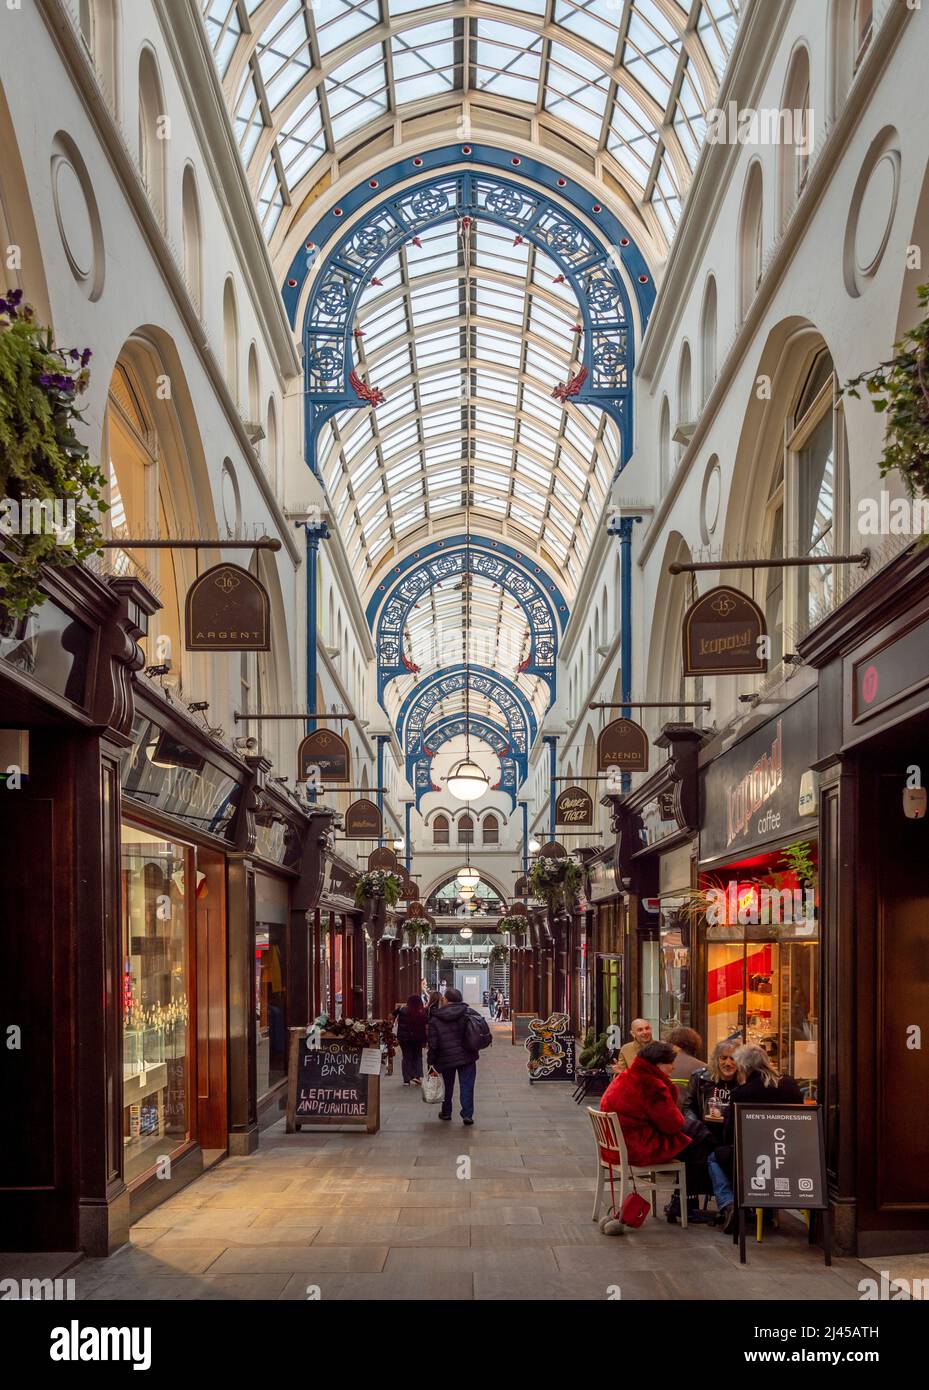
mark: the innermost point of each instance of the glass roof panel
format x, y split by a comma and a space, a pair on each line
438, 53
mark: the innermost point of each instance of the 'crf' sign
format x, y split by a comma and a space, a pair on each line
779, 1156
574, 806
721, 635
227, 610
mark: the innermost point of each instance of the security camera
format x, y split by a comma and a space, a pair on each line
914, 802
246, 745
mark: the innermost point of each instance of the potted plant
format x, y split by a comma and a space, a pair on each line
899, 388
499, 955
416, 929
42, 461
556, 883
376, 891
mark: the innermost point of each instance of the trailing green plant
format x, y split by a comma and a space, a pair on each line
797, 859
379, 883
41, 458
556, 882
899, 389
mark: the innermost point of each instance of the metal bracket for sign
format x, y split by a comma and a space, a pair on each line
863, 558
241, 718
649, 704
136, 543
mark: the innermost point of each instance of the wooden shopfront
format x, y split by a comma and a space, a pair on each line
756, 976
872, 655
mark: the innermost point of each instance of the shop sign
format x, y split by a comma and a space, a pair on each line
898, 669
780, 1156
411, 889
363, 821
750, 795
383, 858
326, 1084
553, 850
227, 610
522, 888
574, 806
170, 777
340, 881
721, 635
623, 744
518, 910
325, 756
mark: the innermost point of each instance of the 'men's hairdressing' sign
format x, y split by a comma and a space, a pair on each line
750, 795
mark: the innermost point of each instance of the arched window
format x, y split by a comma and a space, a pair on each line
99, 24
193, 252
465, 830
153, 143
708, 340
440, 830
664, 445
751, 245
231, 340
490, 830
254, 387
684, 403
796, 135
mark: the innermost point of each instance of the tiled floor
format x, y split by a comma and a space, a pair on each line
396, 1215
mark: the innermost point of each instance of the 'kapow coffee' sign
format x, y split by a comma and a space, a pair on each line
722, 635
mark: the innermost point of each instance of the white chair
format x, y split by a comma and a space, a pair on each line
608, 1135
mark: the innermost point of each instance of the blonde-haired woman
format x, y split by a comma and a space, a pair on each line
759, 1085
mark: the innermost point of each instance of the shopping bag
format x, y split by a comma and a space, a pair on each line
433, 1087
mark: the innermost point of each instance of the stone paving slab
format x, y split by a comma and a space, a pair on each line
345, 1216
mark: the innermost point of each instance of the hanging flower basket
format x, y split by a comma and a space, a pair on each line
433, 954
417, 929
556, 882
514, 927
499, 955
43, 464
378, 883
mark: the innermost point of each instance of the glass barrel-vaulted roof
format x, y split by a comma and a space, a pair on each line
467, 347
626, 82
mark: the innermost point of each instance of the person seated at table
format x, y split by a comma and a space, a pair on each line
759, 1085
641, 1035
708, 1096
645, 1102
688, 1045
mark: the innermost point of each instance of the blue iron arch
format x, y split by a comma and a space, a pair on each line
587, 259
422, 699
419, 761
539, 597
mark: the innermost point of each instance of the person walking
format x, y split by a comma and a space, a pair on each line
432, 1003
457, 1033
411, 1035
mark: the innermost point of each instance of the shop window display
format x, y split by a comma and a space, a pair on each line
155, 999
270, 982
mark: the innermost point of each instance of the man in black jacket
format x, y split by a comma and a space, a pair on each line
450, 1054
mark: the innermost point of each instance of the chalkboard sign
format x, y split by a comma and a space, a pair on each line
521, 1027
780, 1162
325, 1085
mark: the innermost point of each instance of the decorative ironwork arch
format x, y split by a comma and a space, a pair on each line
588, 260
513, 766
539, 597
509, 699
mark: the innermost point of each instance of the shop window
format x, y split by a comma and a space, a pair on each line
490, 830
466, 831
674, 995
271, 1012
156, 1020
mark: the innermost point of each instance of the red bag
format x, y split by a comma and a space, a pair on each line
635, 1210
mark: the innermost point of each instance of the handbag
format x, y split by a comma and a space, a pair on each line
433, 1087
635, 1208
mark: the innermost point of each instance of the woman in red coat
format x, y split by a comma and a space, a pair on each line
646, 1103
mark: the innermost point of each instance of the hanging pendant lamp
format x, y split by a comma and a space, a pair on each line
467, 780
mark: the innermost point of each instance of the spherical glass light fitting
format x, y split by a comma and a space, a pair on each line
467, 781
